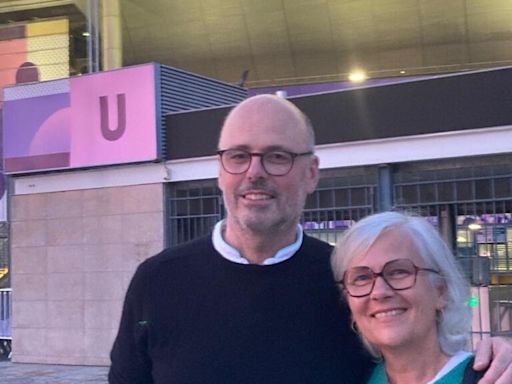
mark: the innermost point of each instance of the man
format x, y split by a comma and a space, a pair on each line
255, 302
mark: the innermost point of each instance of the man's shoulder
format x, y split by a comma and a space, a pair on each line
315, 251
174, 264
197, 247
321, 247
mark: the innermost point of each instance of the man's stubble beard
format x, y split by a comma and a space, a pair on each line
267, 225
268, 222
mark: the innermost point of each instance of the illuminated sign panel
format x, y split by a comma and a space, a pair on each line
99, 119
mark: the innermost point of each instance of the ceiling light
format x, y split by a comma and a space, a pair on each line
357, 76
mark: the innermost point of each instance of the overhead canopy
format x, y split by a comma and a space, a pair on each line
290, 41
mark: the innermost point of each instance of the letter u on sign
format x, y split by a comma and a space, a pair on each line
106, 131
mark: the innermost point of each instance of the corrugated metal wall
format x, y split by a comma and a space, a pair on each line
184, 91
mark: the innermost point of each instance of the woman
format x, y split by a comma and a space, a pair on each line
408, 299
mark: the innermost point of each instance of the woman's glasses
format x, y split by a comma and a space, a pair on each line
399, 274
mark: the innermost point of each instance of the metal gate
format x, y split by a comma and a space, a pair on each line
193, 209
468, 200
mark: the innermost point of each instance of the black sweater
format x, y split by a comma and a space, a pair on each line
192, 317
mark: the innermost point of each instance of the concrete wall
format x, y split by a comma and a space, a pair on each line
73, 254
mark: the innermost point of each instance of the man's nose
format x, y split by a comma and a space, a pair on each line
256, 168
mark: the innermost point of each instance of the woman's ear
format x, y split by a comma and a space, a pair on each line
442, 296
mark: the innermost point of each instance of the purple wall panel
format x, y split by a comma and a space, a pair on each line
28, 123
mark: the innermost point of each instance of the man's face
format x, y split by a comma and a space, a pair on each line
255, 200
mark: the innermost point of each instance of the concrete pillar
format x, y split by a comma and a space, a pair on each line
385, 188
112, 47
448, 226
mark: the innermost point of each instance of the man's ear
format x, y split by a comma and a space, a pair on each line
313, 173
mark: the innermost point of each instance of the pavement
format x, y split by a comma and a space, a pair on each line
22, 373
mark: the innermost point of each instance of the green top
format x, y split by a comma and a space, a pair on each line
452, 377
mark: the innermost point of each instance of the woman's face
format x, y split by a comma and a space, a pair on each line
391, 319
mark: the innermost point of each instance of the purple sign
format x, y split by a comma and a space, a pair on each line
99, 119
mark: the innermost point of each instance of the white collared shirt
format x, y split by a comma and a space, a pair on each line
231, 254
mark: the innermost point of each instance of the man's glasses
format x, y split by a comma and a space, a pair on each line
399, 274
275, 163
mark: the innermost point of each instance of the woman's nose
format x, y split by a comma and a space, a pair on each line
381, 288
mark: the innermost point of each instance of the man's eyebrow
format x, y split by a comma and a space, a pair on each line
270, 148
277, 148
242, 147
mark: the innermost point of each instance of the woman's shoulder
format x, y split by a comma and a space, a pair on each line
378, 375
458, 370
470, 376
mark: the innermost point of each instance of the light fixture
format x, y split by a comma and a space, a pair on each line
474, 226
86, 34
357, 76
472, 223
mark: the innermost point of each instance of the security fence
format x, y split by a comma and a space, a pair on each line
5, 322
4, 255
340, 199
194, 208
468, 200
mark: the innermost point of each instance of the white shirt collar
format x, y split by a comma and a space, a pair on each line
231, 254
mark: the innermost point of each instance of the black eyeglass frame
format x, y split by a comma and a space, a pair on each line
381, 274
261, 155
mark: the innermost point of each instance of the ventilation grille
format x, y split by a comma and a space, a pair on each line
184, 91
